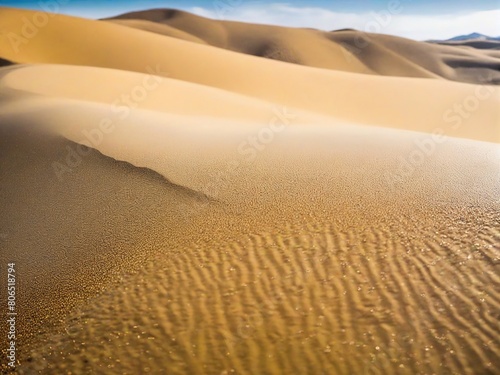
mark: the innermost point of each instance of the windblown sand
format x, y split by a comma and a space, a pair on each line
359, 235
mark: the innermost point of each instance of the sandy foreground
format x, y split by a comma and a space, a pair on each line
186, 196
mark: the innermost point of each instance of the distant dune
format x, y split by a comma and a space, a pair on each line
291, 85
176, 203
480, 44
345, 50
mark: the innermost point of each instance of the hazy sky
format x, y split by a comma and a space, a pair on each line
425, 19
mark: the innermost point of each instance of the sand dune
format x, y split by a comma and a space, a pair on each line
159, 29
262, 261
119, 89
345, 50
306, 47
325, 92
176, 204
443, 61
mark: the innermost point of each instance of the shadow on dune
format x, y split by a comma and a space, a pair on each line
4, 62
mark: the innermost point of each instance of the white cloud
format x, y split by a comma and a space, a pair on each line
419, 27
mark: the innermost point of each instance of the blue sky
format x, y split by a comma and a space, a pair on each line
424, 19
104, 8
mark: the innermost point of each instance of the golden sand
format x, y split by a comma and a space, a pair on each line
243, 215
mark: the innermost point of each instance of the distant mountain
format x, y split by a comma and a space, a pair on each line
475, 40
473, 36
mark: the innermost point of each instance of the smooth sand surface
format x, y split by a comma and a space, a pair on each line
241, 215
